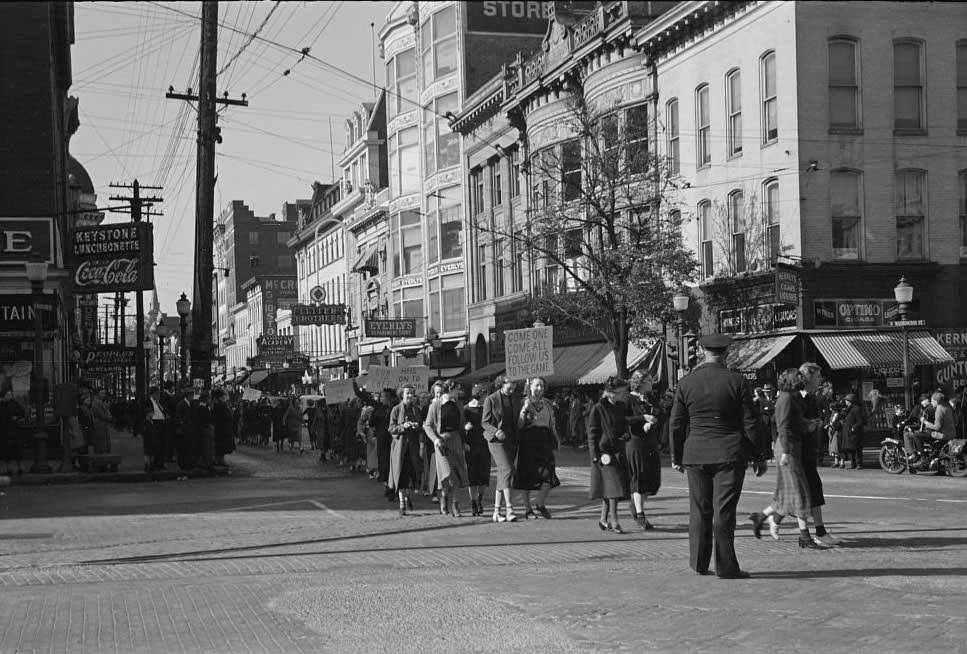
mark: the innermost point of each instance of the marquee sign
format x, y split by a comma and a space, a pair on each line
318, 314
274, 343
399, 328
113, 258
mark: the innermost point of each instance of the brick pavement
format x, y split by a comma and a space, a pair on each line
282, 580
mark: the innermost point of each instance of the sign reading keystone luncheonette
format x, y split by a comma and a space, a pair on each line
112, 258
399, 328
318, 314
529, 352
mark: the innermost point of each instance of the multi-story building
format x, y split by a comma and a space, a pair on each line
246, 246
523, 113
319, 248
816, 147
436, 55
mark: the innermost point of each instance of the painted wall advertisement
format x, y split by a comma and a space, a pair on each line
952, 376
113, 258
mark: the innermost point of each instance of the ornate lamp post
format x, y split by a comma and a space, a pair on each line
184, 310
37, 274
903, 293
163, 331
680, 304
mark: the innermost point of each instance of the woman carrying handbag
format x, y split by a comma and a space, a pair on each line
607, 434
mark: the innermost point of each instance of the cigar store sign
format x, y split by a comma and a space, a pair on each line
113, 258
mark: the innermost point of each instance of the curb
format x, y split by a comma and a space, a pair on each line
55, 479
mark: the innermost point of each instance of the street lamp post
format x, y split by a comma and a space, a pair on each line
903, 293
184, 309
437, 344
37, 274
680, 304
163, 331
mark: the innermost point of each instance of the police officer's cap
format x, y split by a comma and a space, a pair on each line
715, 341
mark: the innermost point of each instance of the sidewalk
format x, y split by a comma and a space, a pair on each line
131, 468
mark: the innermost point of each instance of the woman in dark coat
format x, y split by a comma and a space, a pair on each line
10, 415
352, 448
478, 452
791, 496
224, 427
607, 436
278, 423
405, 428
852, 439
265, 414
293, 423
641, 450
203, 418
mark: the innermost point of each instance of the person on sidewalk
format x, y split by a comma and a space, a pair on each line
607, 436
292, 420
641, 450
499, 422
792, 490
156, 421
812, 413
537, 442
224, 426
203, 420
167, 399
444, 426
11, 413
853, 423
103, 421
714, 433
185, 435
478, 454
405, 427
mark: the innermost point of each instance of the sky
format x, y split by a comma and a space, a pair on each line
127, 54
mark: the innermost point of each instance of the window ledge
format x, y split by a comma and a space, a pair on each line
734, 155
902, 131
766, 144
705, 166
846, 131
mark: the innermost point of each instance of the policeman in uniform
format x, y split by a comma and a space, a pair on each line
714, 433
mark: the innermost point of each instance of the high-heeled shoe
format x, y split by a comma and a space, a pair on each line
773, 527
498, 517
402, 510
617, 529
530, 515
455, 511
511, 516
810, 544
758, 519
603, 526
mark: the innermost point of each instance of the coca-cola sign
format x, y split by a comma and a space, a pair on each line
113, 258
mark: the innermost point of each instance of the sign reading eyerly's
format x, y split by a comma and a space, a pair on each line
113, 258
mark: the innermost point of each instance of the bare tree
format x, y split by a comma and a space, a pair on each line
602, 237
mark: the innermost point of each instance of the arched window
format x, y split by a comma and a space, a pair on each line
706, 232
769, 94
703, 127
737, 225
733, 108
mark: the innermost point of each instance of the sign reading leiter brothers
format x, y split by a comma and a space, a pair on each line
529, 352
113, 258
318, 314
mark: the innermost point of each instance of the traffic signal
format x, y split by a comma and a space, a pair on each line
691, 350
671, 351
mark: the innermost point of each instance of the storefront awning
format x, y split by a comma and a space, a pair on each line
754, 353
257, 377
605, 366
879, 349
446, 373
368, 260
488, 372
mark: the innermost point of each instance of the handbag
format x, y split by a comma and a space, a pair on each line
607, 459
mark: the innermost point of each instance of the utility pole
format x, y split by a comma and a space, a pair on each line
138, 212
208, 134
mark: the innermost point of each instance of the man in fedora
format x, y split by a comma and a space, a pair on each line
714, 433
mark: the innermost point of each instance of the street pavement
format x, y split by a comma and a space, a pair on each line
292, 555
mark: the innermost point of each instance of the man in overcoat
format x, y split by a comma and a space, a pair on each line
714, 433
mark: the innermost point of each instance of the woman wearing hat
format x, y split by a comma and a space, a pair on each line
643, 461
607, 434
536, 467
852, 439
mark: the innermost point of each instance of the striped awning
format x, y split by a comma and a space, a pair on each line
605, 365
754, 353
879, 349
367, 260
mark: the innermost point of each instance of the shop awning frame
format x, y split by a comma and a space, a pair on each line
755, 353
368, 260
883, 349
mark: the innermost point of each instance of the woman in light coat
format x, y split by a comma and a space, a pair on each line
445, 425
